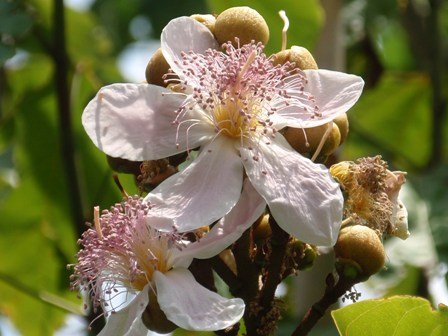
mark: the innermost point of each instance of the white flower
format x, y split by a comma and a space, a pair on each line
233, 106
123, 253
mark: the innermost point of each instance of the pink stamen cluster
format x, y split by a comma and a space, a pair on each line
240, 89
120, 251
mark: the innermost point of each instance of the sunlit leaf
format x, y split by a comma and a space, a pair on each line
395, 118
398, 315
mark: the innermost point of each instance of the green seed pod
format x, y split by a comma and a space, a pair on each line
207, 20
301, 57
157, 67
296, 138
242, 22
361, 245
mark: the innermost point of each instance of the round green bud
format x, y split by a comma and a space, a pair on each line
301, 57
342, 122
363, 246
297, 140
207, 20
242, 22
157, 67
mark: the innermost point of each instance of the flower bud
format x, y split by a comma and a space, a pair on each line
157, 67
361, 245
262, 229
297, 140
154, 318
229, 259
301, 57
342, 122
242, 22
302, 254
207, 20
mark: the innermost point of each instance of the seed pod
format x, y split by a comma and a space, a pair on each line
242, 22
296, 138
301, 57
342, 122
361, 245
157, 67
207, 20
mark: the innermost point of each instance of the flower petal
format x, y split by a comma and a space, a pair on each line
134, 121
202, 193
193, 307
128, 321
335, 93
302, 196
185, 34
249, 207
399, 221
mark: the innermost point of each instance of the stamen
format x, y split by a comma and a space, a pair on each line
246, 66
96, 221
322, 141
285, 19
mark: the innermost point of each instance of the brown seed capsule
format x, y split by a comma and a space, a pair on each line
156, 68
296, 138
207, 20
362, 245
342, 122
242, 22
301, 57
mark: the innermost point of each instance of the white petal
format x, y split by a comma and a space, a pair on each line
249, 207
185, 34
193, 307
202, 193
400, 221
302, 196
134, 121
128, 321
335, 93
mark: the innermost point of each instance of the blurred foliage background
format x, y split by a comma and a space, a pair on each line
55, 55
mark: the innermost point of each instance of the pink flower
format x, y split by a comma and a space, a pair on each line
232, 107
121, 253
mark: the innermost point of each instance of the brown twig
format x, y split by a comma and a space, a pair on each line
61, 65
278, 243
318, 310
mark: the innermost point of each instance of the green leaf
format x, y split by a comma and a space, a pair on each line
305, 19
398, 316
15, 23
6, 52
399, 102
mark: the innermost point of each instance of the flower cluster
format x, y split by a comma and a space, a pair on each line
233, 104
